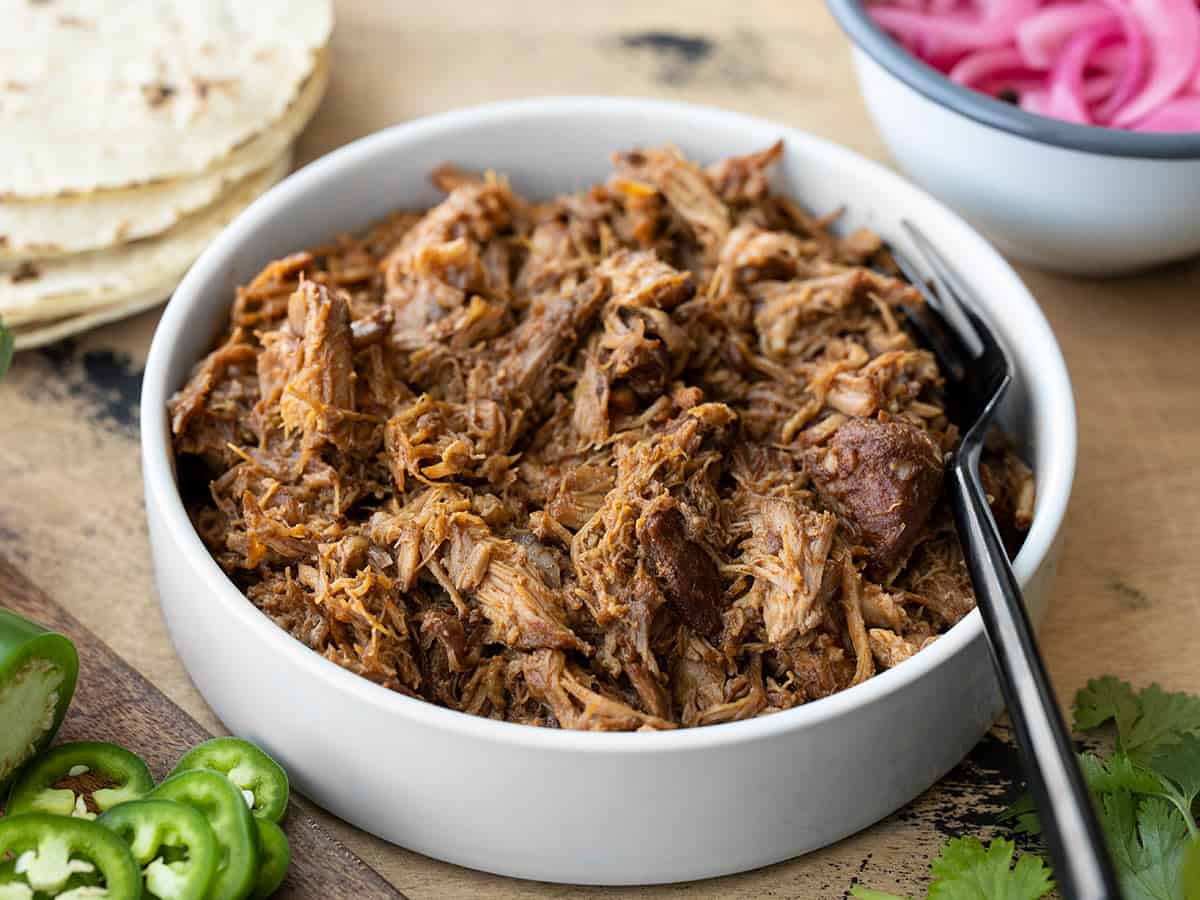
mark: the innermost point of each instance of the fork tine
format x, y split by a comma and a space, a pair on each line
916, 277
981, 328
951, 291
929, 323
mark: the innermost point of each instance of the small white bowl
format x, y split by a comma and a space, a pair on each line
575, 806
1067, 197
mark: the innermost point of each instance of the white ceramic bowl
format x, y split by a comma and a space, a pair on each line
1073, 198
560, 805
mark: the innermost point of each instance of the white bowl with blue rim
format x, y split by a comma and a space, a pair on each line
1067, 197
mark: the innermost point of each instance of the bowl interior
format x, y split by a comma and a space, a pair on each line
552, 146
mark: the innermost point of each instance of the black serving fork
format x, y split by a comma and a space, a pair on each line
978, 372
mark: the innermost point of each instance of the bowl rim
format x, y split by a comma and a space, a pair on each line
987, 110
1053, 387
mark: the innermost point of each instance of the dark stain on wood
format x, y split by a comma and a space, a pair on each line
113, 702
738, 60
686, 48
1128, 596
973, 793
108, 383
12, 539
965, 803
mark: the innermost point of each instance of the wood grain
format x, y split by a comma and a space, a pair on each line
114, 703
1126, 600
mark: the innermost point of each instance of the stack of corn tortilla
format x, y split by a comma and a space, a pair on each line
130, 134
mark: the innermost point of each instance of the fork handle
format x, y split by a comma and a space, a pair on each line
1082, 866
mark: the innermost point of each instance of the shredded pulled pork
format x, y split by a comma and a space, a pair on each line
658, 454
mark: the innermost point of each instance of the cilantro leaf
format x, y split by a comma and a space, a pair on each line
966, 870
1103, 776
1181, 763
1165, 719
1148, 840
1146, 721
1104, 699
1023, 812
1118, 772
1179, 768
6, 349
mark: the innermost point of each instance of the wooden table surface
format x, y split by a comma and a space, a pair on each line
1126, 599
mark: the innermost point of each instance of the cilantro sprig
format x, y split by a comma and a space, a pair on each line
1145, 792
968, 870
1146, 722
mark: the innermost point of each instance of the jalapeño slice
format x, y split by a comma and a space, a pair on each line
212, 795
45, 855
248, 767
172, 843
80, 779
276, 857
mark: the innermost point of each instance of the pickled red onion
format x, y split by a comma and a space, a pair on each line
1172, 30
1066, 82
1036, 101
962, 28
1117, 63
1180, 114
972, 69
1041, 36
1099, 87
1133, 69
